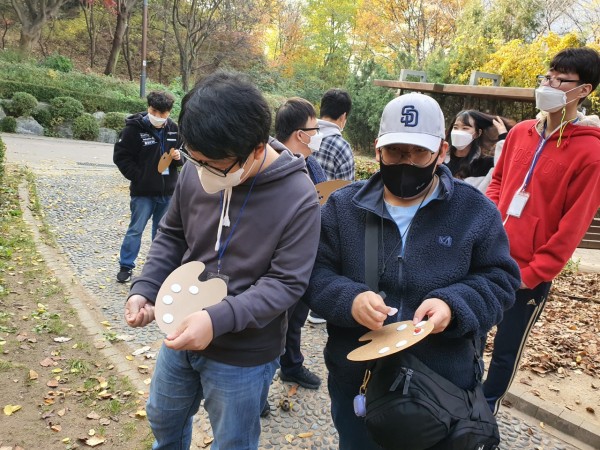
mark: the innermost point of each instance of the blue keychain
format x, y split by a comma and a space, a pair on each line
360, 401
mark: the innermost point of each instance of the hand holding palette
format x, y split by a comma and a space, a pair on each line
390, 339
182, 294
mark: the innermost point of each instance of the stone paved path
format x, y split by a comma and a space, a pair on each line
86, 207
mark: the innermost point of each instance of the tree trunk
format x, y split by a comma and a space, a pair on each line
29, 36
122, 24
33, 15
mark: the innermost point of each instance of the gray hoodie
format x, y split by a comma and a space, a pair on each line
268, 259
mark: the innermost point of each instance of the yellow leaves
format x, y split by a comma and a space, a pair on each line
10, 409
140, 414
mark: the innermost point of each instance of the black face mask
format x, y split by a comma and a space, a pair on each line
406, 180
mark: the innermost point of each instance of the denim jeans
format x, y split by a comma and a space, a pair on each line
352, 430
142, 208
233, 397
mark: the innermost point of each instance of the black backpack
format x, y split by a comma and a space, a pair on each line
411, 407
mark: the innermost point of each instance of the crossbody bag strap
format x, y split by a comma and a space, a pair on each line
371, 251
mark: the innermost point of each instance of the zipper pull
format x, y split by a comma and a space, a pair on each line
409, 374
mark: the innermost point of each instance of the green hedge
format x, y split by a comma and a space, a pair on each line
8, 124
364, 167
85, 127
2, 152
91, 103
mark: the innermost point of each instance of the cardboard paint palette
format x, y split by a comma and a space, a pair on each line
182, 294
165, 161
390, 339
325, 188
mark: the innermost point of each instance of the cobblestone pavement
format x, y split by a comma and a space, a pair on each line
87, 209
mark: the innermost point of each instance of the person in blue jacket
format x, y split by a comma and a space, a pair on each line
442, 255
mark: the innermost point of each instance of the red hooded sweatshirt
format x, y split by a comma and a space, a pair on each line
564, 194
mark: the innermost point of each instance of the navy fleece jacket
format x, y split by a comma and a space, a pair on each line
456, 250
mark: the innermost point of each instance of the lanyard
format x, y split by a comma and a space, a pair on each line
536, 156
224, 246
541, 144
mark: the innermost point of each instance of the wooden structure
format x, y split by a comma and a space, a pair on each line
592, 237
525, 95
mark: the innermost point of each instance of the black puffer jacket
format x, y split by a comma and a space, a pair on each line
138, 151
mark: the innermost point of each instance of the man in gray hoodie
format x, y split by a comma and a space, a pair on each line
251, 215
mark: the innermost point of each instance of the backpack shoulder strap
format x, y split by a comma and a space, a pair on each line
371, 250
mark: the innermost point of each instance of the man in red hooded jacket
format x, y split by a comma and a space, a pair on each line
547, 187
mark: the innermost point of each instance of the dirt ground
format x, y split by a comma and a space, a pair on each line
57, 391
561, 362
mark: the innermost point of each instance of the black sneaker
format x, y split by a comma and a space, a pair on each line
266, 411
124, 274
303, 377
313, 317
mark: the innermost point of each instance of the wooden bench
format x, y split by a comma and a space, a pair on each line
592, 237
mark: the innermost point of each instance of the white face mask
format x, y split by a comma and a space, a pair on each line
214, 183
460, 139
314, 142
550, 99
156, 122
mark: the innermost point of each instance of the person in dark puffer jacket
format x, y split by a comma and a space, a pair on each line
442, 255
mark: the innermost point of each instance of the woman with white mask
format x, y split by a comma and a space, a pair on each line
467, 158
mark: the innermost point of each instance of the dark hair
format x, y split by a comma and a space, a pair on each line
291, 116
160, 100
583, 61
224, 116
482, 122
334, 103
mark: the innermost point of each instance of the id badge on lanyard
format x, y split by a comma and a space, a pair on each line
517, 205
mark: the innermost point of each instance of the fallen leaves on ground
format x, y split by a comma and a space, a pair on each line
567, 336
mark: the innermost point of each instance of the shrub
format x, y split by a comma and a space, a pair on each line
2, 150
22, 104
364, 167
8, 124
115, 121
66, 108
43, 116
85, 127
58, 62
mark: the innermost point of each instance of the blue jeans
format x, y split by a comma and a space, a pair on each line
233, 397
142, 208
510, 340
352, 430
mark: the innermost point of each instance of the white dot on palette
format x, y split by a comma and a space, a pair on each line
176, 288
193, 290
168, 318
402, 343
167, 299
418, 331
401, 327
421, 323
384, 350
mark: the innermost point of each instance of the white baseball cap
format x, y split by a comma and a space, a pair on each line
415, 119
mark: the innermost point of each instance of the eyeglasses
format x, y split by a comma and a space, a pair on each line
311, 129
547, 80
417, 156
214, 170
